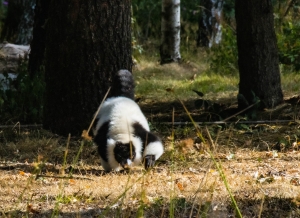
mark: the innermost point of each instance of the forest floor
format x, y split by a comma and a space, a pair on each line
46, 175
255, 157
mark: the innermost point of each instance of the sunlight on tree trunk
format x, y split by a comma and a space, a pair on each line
258, 54
170, 29
87, 42
210, 23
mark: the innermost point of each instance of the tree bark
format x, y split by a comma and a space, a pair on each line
170, 29
87, 42
37, 45
19, 22
257, 53
210, 27
12, 21
26, 25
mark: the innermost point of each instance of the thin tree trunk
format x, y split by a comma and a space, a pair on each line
210, 27
258, 54
25, 27
13, 18
87, 42
170, 29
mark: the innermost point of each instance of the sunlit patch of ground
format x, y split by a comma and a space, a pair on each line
260, 161
34, 181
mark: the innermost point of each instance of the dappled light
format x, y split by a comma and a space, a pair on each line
107, 111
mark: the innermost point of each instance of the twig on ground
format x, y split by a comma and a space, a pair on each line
62, 177
85, 133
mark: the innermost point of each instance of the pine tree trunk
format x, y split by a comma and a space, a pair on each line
170, 29
37, 45
87, 42
258, 54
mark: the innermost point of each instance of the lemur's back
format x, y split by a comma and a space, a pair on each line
122, 132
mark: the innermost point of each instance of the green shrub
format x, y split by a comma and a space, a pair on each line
23, 101
289, 45
224, 56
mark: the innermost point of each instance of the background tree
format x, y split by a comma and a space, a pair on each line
257, 54
170, 32
13, 18
19, 22
25, 27
210, 28
87, 42
37, 45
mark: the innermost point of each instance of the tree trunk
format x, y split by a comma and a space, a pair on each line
170, 29
87, 42
258, 54
19, 22
12, 21
37, 45
26, 25
210, 28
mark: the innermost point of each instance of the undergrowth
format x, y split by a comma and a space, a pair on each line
23, 100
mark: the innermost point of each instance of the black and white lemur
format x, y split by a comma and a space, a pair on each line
122, 133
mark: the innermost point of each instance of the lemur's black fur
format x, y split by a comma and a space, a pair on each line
122, 132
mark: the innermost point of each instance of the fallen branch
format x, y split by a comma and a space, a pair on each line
22, 126
230, 122
62, 177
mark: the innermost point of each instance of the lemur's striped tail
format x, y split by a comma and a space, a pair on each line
123, 85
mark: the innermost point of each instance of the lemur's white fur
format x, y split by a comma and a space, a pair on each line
154, 148
121, 122
122, 112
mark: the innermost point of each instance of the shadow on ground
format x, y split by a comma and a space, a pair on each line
179, 207
207, 111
